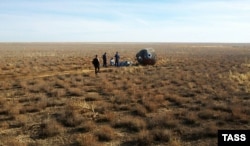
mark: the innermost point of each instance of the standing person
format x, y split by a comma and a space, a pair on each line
96, 64
117, 57
104, 58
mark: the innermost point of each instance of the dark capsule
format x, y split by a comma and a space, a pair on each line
146, 56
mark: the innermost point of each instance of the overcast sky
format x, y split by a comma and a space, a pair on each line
125, 21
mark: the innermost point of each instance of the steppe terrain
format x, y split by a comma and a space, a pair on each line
50, 95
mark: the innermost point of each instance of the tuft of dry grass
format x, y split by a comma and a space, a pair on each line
150, 106
162, 120
106, 117
238, 114
29, 109
37, 86
191, 119
87, 140
105, 133
132, 124
57, 93
207, 114
74, 92
211, 130
87, 126
12, 141
92, 96
175, 142
139, 110
49, 128
224, 107
144, 138
71, 118
22, 119
60, 83
161, 135
175, 99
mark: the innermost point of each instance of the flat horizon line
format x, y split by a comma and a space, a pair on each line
125, 42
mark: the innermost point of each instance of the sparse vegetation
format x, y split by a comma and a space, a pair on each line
105, 133
189, 94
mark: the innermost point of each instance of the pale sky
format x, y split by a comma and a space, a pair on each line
125, 21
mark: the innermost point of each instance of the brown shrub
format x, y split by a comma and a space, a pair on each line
71, 118
45, 129
60, 77
74, 83
191, 119
175, 99
87, 140
159, 98
22, 119
85, 75
93, 96
105, 133
110, 116
175, 142
132, 124
121, 98
4, 125
9, 108
106, 117
29, 109
238, 114
74, 92
49, 128
194, 107
56, 93
55, 102
60, 84
23, 84
78, 78
211, 130
12, 141
162, 120
122, 107
150, 106
144, 138
139, 110
37, 86
161, 135
206, 114
103, 107
42, 102
15, 110
153, 103
6, 85
87, 126
221, 107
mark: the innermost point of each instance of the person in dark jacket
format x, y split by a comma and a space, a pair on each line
117, 57
104, 59
96, 64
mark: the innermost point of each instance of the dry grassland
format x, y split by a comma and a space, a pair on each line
49, 94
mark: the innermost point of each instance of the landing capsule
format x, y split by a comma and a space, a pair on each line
146, 56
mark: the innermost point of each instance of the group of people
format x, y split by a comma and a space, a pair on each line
113, 61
